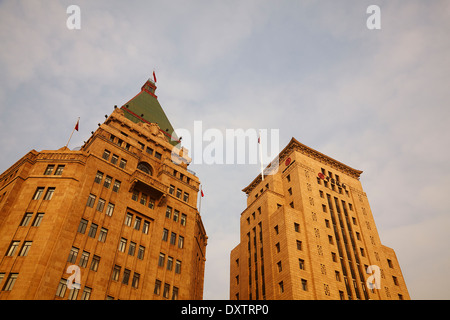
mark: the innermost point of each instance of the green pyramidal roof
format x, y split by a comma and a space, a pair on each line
144, 107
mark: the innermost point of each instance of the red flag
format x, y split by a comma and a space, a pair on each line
154, 76
201, 190
76, 126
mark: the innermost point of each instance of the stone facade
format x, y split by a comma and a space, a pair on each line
122, 210
308, 233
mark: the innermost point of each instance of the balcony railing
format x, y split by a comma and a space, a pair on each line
149, 181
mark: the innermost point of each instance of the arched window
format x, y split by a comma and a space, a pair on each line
145, 167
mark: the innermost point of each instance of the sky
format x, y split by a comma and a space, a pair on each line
376, 100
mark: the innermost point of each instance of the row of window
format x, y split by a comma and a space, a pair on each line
121, 143
50, 170
28, 217
73, 294
126, 276
114, 159
143, 199
179, 193
84, 259
137, 223
169, 265
40, 191
173, 238
15, 244
10, 280
176, 215
108, 181
131, 248
92, 230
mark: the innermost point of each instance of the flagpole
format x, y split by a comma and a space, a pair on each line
72, 132
260, 156
200, 202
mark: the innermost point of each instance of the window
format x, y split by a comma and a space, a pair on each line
37, 221
171, 189
180, 242
103, 234
10, 281
178, 266
128, 219
277, 245
330, 239
98, 177
395, 280
12, 248
135, 195
107, 182
114, 159
281, 286
59, 170
26, 219
299, 245
141, 252
296, 227
166, 290
49, 169
389, 261
337, 275
179, 193
137, 223
86, 293
165, 234
143, 199
123, 163
157, 289
84, 259
116, 186
145, 167
109, 209
175, 293
90, 201
95, 262
186, 197
132, 248
146, 227
324, 208
151, 203
304, 285
126, 276
135, 283
276, 229
176, 214
38, 193
162, 258
101, 205
158, 155
122, 244
280, 268
25, 248
301, 264
168, 212
290, 191
93, 230
183, 219
116, 272
169, 263
61, 290
106, 154
73, 255
173, 238
82, 226
73, 294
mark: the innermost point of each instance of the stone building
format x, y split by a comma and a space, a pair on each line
117, 219
308, 233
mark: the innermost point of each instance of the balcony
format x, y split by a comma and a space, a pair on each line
143, 180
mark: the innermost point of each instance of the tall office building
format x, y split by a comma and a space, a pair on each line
308, 233
117, 219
